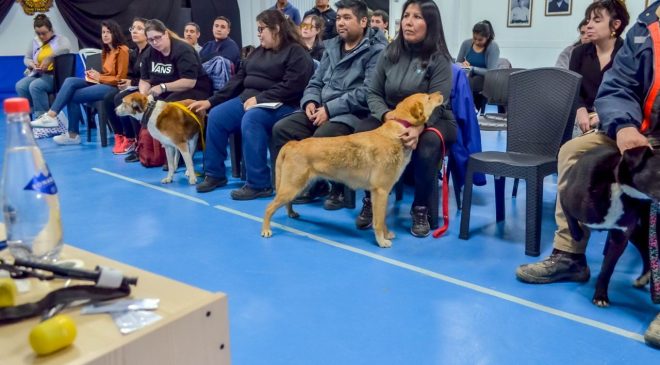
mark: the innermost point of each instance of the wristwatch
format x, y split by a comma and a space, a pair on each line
163, 87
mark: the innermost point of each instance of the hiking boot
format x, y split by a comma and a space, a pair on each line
363, 220
120, 144
652, 335
559, 266
420, 222
248, 193
335, 199
318, 190
210, 183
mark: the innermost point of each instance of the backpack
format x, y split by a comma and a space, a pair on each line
219, 69
149, 150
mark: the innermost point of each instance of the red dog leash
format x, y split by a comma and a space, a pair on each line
445, 188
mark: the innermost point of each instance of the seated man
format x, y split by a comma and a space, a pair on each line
222, 44
191, 34
624, 123
333, 108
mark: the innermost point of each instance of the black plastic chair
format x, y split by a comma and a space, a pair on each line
91, 110
538, 123
496, 91
64, 66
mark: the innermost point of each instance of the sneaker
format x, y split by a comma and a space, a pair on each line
318, 190
210, 183
120, 144
248, 193
44, 121
560, 266
335, 199
65, 139
132, 157
652, 335
420, 222
363, 220
130, 144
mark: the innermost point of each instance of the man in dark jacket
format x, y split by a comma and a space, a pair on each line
626, 122
336, 97
324, 10
222, 44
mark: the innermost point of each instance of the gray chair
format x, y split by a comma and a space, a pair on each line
538, 124
496, 91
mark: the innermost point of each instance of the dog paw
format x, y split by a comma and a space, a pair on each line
293, 215
641, 281
192, 180
384, 243
166, 180
266, 233
390, 235
601, 301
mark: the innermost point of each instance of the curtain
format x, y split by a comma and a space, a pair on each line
5, 5
379, 5
84, 17
205, 11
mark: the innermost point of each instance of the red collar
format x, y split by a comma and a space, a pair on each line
405, 123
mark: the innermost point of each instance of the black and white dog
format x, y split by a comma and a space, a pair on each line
610, 191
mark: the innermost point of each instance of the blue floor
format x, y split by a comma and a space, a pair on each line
321, 292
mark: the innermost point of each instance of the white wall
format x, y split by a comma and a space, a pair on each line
16, 30
251, 8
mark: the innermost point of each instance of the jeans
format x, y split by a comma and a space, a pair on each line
255, 126
36, 90
74, 92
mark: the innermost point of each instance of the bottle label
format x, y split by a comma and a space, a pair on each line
42, 183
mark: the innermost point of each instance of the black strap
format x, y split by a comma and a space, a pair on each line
63, 296
147, 113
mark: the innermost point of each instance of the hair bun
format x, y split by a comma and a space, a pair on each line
40, 17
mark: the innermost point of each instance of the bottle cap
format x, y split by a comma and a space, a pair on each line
17, 105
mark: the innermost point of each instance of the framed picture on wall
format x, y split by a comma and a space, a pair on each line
558, 7
520, 13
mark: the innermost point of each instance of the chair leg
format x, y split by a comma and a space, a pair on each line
467, 204
349, 197
103, 123
499, 198
515, 188
534, 193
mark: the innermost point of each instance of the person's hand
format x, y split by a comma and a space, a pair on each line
31, 65
249, 103
320, 116
410, 137
123, 84
629, 137
45, 63
388, 116
593, 120
93, 75
310, 109
466, 64
200, 105
155, 91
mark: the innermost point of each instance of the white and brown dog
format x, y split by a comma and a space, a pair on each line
172, 125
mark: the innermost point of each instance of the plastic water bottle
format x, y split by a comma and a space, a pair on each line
30, 203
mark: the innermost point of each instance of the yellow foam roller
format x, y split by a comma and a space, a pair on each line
8, 292
53, 334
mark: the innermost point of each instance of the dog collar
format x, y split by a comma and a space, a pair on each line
404, 123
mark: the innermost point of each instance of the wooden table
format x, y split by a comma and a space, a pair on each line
194, 329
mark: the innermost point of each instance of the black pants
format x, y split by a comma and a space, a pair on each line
126, 126
427, 157
477, 86
297, 126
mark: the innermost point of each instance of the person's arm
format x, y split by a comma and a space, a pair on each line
296, 17
230, 51
492, 56
232, 88
298, 68
315, 86
376, 96
564, 58
27, 60
462, 52
355, 100
624, 87
581, 114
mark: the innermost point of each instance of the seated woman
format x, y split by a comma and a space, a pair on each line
171, 69
310, 30
417, 61
277, 71
126, 128
96, 84
564, 57
606, 20
38, 80
479, 55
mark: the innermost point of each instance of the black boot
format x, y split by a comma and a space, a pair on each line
364, 220
317, 190
560, 266
335, 199
420, 221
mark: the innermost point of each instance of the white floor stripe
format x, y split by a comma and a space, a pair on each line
403, 265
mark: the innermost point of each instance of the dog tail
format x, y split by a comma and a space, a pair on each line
278, 166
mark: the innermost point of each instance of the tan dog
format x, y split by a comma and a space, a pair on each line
372, 160
173, 127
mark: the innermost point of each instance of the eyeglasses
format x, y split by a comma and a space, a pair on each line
260, 29
131, 29
42, 33
155, 39
307, 26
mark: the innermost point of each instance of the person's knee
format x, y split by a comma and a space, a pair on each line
570, 149
333, 129
281, 130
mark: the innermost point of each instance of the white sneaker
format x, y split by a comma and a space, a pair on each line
44, 121
64, 139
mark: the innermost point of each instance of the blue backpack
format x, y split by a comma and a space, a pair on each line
219, 70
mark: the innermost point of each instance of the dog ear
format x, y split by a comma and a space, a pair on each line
417, 111
136, 106
634, 158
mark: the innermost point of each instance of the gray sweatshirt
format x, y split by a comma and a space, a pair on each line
492, 55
